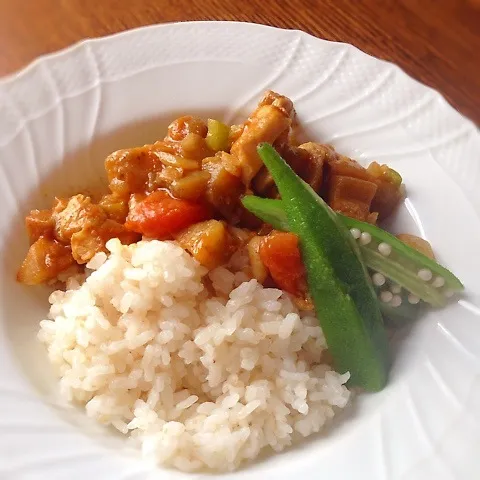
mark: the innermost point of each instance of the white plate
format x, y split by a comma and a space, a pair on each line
65, 112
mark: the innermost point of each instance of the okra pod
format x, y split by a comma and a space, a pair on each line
381, 251
338, 282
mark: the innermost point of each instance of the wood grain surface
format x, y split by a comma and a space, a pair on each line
435, 41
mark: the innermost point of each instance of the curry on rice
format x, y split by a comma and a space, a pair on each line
189, 187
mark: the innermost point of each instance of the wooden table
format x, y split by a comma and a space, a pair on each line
435, 41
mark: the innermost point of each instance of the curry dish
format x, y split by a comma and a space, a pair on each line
228, 289
189, 187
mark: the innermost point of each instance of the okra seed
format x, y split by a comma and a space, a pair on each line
378, 279
425, 274
448, 293
365, 238
413, 299
355, 233
396, 288
385, 249
396, 301
438, 282
386, 296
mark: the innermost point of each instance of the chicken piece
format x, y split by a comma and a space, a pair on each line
132, 170
418, 243
39, 223
279, 101
268, 122
92, 239
183, 126
234, 135
209, 242
351, 196
224, 188
128, 169
148, 168
45, 260
72, 215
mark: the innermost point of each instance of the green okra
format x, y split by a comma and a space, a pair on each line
402, 265
403, 314
345, 301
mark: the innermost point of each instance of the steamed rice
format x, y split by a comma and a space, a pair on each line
199, 381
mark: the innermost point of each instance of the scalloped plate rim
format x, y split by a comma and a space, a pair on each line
30, 69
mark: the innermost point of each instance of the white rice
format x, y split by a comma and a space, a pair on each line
200, 382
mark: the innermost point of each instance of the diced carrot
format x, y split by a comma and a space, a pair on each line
280, 254
160, 216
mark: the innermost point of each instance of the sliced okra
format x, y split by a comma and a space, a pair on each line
422, 277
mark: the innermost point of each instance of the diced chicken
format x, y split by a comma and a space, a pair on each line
130, 170
281, 102
45, 260
210, 242
268, 122
72, 215
39, 223
147, 168
92, 239
185, 125
234, 135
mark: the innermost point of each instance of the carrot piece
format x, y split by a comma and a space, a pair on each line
160, 216
279, 252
